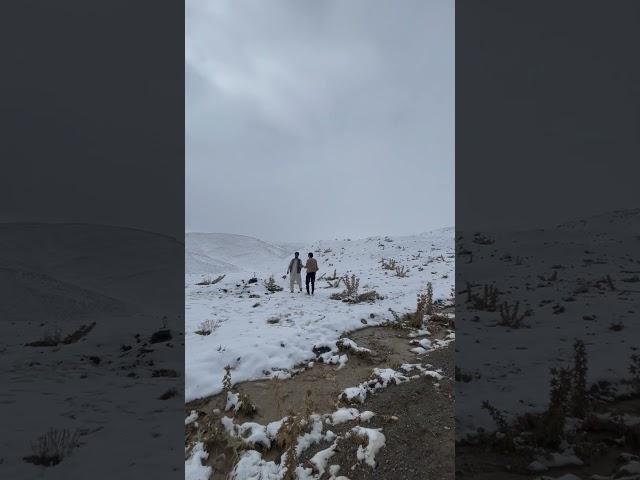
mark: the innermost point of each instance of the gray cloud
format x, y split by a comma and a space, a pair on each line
310, 120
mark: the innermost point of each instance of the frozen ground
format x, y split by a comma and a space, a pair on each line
261, 335
55, 278
560, 275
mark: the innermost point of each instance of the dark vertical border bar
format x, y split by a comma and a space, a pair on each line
91, 239
547, 220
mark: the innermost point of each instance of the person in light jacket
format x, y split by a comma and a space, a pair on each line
295, 267
312, 268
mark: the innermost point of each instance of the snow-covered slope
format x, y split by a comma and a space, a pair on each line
226, 253
561, 275
112, 261
258, 333
48, 299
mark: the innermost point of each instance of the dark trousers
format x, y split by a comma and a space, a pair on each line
311, 277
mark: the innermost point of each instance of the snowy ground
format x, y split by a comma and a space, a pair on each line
260, 334
560, 275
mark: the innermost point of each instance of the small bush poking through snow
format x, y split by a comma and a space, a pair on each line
208, 326
238, 402
271, 285
52, 447
388, 264
509, 315
402, 271
487, 302
567, 398
424, 306
350, 293
210, 281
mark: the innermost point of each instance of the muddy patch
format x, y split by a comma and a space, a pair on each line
389, 348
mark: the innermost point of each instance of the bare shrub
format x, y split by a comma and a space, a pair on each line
350, 293
424, 306
401, 271
509, 315
388, 264
246, 406
287, 438
488, 301
398, 321
208, 326
210, 281
579, 401
351, 285
482, 239
52, 447
271, 285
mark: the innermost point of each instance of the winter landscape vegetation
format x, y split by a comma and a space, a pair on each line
354, 382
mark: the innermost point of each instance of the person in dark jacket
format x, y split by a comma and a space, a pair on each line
312, 268
295, 267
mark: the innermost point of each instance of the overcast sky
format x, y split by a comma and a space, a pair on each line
317, 120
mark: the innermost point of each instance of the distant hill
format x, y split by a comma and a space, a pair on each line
228, 253
39, 297
111, 262
627, 220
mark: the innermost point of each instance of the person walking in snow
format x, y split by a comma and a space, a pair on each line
312, 268
295, 267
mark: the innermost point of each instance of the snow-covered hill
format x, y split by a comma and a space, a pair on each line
259, 333
112, 261
226, 253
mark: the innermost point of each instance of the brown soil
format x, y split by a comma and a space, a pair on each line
390, 348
